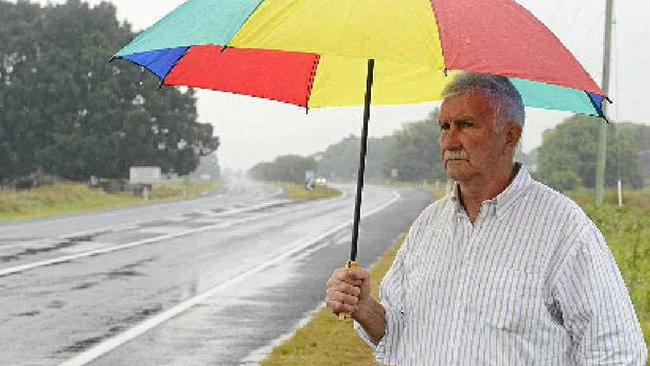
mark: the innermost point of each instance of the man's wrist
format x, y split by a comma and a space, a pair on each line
366, 310
372, 318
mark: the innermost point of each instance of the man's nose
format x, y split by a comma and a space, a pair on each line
449, 139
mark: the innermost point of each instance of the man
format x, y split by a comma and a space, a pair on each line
503, 270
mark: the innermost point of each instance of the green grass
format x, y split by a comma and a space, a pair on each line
66, 198
327, 341
181, 189
627, 230
297, 192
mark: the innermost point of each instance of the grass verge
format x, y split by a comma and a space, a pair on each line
298, 192
66, 198
627, 230
327, 341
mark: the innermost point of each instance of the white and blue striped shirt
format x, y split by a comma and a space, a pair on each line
532, 282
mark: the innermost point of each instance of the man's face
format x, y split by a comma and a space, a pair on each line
472, 145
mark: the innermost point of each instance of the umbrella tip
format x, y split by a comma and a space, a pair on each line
112, 58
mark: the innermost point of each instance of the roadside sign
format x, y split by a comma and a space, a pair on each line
144, 174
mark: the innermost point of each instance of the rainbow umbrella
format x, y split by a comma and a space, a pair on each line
314, 54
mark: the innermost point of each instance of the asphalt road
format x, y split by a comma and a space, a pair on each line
216, 280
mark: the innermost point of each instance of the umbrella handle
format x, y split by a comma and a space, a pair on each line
348, 316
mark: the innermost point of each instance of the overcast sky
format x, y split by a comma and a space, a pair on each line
254, 130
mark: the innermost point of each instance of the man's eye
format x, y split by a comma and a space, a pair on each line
465, 124
444, 126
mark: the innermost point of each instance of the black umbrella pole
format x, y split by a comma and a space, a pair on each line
362, 160
352, 263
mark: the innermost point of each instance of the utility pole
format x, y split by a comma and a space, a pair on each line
601, 158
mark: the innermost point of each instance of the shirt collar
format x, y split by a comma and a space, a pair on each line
505, 199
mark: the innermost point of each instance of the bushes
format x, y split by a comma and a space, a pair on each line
564, 180
33, 180
627, 230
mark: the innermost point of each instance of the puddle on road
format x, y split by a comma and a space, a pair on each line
192, 215
82, 345
28, 314
156, 223
128, 270
85, 285
65, 243
56, 304
117, 274
117, 327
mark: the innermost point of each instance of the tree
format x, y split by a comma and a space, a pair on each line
65, 110
415, 151
341, 160
642, 134
287, 168
564, 180
208, 168
571, 148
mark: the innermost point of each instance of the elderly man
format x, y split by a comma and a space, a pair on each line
501, 271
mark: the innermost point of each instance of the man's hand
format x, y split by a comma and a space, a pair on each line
348, 291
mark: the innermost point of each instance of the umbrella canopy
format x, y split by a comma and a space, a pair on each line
314, 53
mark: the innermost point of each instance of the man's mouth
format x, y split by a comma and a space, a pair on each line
455, 155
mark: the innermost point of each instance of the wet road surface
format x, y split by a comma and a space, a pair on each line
213, 281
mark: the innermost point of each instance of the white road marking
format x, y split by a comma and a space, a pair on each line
300, 245
67, 258
87, 246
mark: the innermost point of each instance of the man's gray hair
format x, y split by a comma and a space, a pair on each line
504, 96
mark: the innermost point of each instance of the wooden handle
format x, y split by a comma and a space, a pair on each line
348, 316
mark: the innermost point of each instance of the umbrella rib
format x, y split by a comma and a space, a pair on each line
442, 47
162, 80
244, 23
312, 79
599, 111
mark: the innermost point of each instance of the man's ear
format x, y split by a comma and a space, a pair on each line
513, 135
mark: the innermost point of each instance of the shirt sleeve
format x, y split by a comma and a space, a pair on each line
391, 292
596, 307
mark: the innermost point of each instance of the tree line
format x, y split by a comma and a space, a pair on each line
566, 159
66, 111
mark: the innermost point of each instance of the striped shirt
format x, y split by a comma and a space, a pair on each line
531, 282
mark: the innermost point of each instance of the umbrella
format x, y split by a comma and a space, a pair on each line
316, 54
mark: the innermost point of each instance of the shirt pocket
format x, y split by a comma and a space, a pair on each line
506, 300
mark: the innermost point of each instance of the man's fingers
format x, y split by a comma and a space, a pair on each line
339, 307
345, 289
344, 275
358, 274
342, 297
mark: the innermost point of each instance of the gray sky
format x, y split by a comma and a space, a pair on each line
254, 130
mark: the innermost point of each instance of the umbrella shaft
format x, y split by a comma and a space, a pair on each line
362, 159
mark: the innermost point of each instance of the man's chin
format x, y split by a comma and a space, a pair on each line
457, 172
